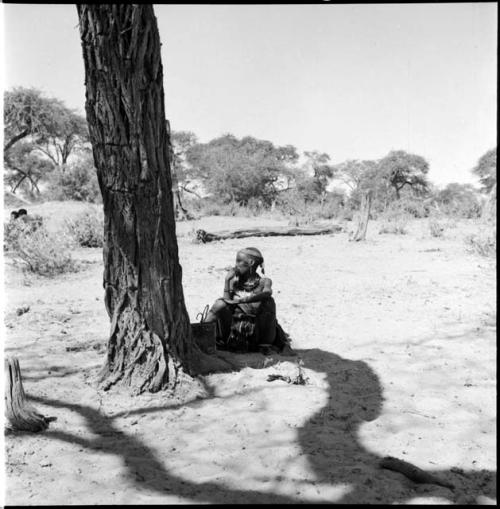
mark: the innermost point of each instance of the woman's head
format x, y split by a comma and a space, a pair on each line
248, 259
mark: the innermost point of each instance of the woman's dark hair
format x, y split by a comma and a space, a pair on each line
22, 212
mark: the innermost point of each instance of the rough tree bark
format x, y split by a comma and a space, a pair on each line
364, 215
150, 341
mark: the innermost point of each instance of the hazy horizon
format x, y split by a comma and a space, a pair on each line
355, 81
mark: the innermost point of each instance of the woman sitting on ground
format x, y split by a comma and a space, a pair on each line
246, 314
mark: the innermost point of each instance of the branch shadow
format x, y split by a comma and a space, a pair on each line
355, 397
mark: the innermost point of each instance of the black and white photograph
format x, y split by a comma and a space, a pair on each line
249, 253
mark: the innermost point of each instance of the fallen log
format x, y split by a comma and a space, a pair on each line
204, 236
414, 473
21, 416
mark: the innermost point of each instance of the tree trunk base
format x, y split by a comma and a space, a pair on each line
20, 415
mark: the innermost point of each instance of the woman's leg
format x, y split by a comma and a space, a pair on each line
221, 313
266, 323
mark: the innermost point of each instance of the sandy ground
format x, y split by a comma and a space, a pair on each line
397, 335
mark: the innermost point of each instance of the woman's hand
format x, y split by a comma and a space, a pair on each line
231, 273
234, 300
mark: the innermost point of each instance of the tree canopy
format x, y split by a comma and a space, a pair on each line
235, 170
38, 130
486, 170
403, 169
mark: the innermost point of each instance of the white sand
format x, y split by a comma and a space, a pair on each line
397, 335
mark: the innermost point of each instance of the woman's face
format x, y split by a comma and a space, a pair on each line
243, 263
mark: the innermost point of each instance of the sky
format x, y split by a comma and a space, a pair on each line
354, 81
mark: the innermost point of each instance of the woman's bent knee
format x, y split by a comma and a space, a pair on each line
218, 306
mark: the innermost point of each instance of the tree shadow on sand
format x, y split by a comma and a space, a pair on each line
355, 397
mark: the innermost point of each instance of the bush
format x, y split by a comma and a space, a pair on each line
15, 229
40, 251
483, 243
397, 227
75, 182
87, 228
395, 219
436, 228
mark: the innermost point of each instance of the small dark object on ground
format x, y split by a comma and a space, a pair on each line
412, 472
300, 379
20, 311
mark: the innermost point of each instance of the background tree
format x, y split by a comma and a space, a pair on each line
26, 113
403, 169
75, 181
313, 186
68, 134
459, 200
25, 168
182, 142
150, 341
363, 177
235, 170
45, 126
486, 170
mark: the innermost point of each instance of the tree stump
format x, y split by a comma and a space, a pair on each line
20, 415
364, 215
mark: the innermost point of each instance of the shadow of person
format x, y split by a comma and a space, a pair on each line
329, 439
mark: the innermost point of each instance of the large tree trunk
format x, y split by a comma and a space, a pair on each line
150, 340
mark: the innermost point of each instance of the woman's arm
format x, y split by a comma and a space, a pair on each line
263, 292
228, 284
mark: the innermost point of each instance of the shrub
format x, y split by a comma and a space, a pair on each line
436, 228
42, 252
87, 228
15, 229
75, 182
397, 227
483, 243
395, 219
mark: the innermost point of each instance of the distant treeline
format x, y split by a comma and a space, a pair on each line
47, 155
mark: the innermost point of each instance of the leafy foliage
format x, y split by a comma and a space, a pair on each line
313, 187
486, 170
77, 181
401, 169
46, 127
25, 168
483, 243
459, 200
37, 250
235, 170
87, 228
